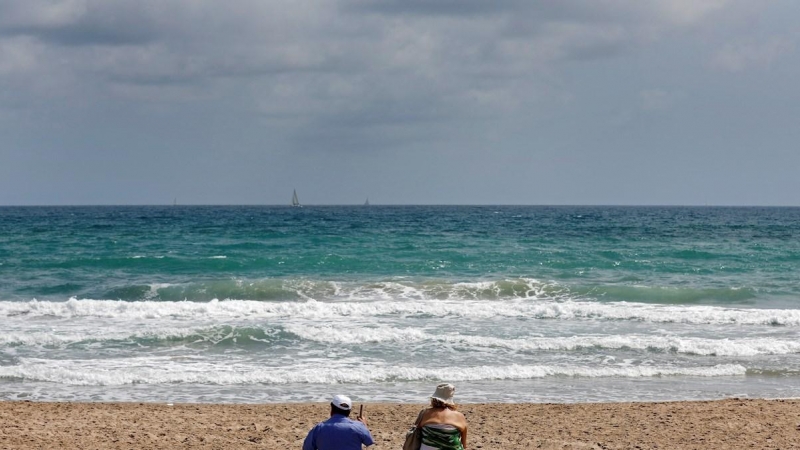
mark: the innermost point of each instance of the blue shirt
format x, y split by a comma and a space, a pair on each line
338, 433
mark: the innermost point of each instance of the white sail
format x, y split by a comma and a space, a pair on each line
366, 203
295, 201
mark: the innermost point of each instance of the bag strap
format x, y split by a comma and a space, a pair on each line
419, 417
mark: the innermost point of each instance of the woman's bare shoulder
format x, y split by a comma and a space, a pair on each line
459, 417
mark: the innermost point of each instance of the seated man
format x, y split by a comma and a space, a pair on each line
339, 432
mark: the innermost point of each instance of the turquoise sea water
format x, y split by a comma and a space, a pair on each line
268, 304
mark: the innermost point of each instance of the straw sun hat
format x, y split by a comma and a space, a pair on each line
444, 393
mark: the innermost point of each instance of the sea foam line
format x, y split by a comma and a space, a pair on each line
469, 309
212, 335
359, 335
119, 373
677, 344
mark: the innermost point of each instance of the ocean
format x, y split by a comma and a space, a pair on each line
252, 304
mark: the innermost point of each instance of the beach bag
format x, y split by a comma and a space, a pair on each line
414, 435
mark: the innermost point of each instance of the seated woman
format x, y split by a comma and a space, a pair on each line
443, 428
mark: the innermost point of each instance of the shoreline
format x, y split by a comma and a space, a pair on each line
728, 423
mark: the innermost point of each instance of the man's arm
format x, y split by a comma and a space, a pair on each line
366, 436
309, 443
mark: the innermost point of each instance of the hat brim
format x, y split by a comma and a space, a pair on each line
446, 402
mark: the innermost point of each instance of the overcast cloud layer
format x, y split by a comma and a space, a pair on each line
402, 101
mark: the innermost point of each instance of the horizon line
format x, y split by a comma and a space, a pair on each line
615, 205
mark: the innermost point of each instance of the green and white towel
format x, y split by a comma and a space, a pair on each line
441, 437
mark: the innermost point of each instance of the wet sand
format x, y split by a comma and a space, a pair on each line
725, 424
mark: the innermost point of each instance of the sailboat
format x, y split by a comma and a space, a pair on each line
366, 203
295, 201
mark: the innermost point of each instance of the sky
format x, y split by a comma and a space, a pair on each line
594, 102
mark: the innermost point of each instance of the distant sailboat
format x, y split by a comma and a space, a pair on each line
366, 203
295, 201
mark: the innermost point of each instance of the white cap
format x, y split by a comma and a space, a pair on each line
342, 402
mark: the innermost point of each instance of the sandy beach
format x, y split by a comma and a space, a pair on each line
731, 423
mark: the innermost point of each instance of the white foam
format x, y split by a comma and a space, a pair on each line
471, 309
354, 335
687, 345
161, 370
521, 288
351, 334
111, 333
151, 293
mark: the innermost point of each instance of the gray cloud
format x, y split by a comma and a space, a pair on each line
75, 23
369, 77
435, 7
738, 57
171, 43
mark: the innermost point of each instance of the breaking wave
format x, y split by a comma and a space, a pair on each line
75, 373
470, 309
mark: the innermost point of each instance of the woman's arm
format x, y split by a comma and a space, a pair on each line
463, 428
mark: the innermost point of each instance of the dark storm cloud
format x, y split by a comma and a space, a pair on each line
86, 33
447, 45
435, 7
79, 23
318, 67
534, 13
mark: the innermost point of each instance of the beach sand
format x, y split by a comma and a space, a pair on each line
732, 423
